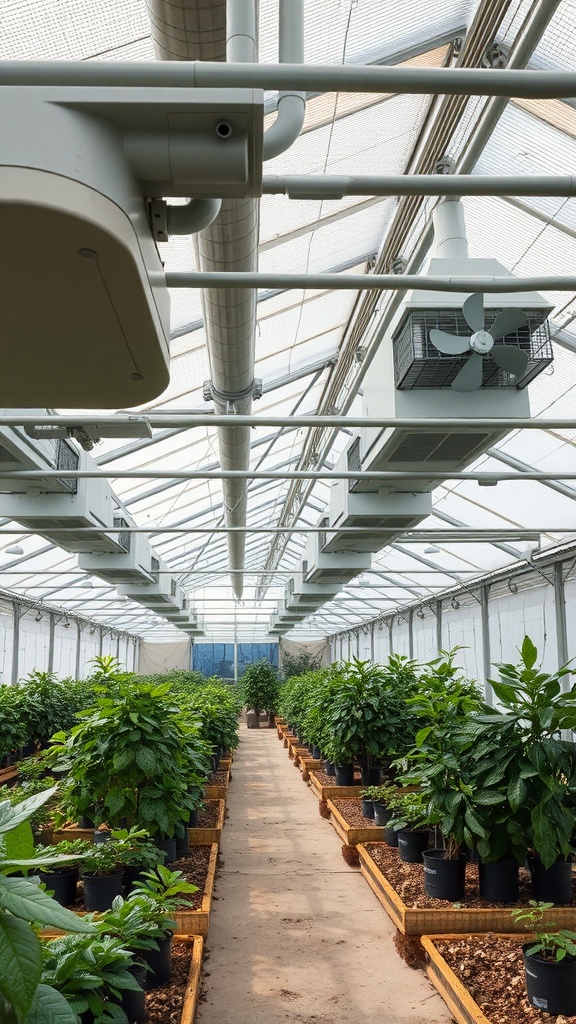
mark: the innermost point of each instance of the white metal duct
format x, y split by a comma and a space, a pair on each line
196, 30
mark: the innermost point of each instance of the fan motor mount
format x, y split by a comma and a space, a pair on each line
481, 341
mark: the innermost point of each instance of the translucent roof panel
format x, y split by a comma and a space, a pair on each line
302, 336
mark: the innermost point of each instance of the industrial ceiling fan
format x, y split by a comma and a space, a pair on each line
483, 343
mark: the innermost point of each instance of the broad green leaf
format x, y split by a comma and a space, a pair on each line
474, 824
20, 963
146, 761
25, 899
529, 652
50, 1007
505, 693
486, 797
20, 812
19, 843
517, 791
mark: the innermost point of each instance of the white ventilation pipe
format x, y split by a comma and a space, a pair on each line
187, 29
195, 216
450, 238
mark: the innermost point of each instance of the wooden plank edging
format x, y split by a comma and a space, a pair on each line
353, 836
204, 836
190, 1004
457, 998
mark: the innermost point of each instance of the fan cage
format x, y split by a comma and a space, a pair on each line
418, 364
124, 537
67, 458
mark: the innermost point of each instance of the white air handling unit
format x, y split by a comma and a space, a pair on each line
20, 452
449, 356
161, 595
300, 595
133, 565
91, 506
319, 567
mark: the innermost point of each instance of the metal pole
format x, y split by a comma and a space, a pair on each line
485, 479
334, 186
439, 644
456, 423
410, 633
289, 77
486, 654
15, 641
369, 282
78, 642
561, 626
51, 643
235, 645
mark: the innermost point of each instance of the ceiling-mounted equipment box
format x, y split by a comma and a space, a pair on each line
308, 595
20, 452
319, 567
91, 507
85, 308
135, 565
388, 515
163, 594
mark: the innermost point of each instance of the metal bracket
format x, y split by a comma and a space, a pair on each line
495, 56
158, 219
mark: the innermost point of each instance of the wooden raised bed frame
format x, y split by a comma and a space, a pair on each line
190, 1002
455, 995
353, 836
219, 792
333, 792
197, 836
448, 920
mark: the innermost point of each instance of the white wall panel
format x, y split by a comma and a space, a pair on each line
33, 644
424, 637
89, 647
64, 649
570, 598
381, 643
365, 643
513, 616
400, 640
6, 637
462, 627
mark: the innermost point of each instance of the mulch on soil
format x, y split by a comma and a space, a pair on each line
329, 780
164, 1004
208, 814
408, 881
492, 971
351, 811
219, 778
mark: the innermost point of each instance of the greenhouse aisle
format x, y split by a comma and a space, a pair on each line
295, 934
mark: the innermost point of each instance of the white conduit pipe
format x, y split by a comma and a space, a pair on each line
291, 104
335, 186
374, 282
195, 216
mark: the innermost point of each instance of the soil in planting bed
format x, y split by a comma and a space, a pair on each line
329, 780
408, 881
351, 811
219, 778
164, 1004
194, 867
492, 970
208, 814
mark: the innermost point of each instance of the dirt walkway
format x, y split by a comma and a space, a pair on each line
295, 934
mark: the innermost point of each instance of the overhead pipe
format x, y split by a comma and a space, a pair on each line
196, 215
206, 419
485, 479
337, 186
291, 103
372, 282
353, 78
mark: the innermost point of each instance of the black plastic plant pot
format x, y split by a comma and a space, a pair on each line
133, 874
133, 1002
444, 878
63, 883
169, 847
158, 963
330, 768
551, 885
499, 880
100, 890
390, 834
382, 816
84, 822
412, 843
367, 808
102, 835
344, 774
182, 844
316, 752
371, 775
550, 984
193, 818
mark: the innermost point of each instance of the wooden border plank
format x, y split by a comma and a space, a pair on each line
190, 1004
353, 836
203, 836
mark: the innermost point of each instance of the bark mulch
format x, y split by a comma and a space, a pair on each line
492, 970
208, 814
164, 1004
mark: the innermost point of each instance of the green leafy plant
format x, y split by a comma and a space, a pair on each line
409, 810
300, 664
138, 922
523, 766
129, 761
550, 945
24, 997
383, 794
260, 687
73, 849
88, 973
164, 888
13, 730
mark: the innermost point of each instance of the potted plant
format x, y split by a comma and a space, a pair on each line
549, 963
160, 893
23, 904
381, 798
260, 688
129, 761
103, 874
61, 878
521, 758
90, 973
410, 820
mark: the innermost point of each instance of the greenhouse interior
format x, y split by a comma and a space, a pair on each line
287, 481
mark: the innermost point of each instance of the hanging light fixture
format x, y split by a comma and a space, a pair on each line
420, 613
431, 550
512, 587
38, 617
455, 603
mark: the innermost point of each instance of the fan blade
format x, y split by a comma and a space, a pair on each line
470, 376
511, 359
473, 310
450, 344
508, 321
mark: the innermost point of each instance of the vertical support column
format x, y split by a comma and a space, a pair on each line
486, 656
15, 640
411, 633
51, 642
439, 644
372, 629
101, 641
78, 643
390, 625
560, 615
118, 647
235, 643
